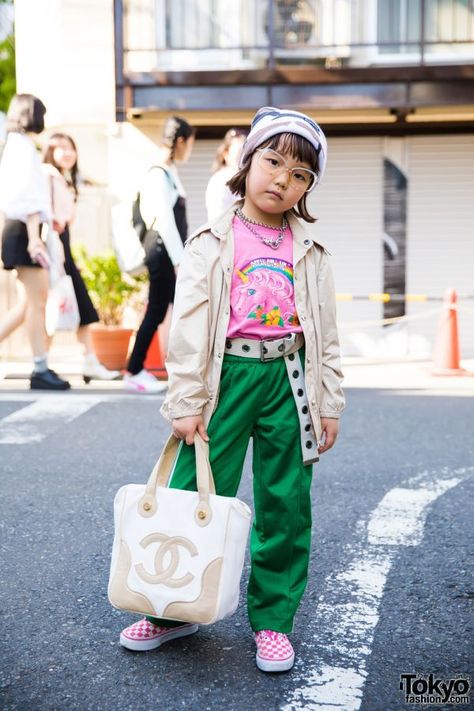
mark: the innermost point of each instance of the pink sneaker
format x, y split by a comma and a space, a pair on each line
274, 651
144, 635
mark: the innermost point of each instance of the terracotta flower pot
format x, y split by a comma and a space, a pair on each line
111, 344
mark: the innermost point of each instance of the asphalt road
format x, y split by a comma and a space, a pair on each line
374, 609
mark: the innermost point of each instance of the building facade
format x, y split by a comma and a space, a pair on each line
390, 81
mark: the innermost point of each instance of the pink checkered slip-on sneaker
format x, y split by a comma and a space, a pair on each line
144, 635
274, 651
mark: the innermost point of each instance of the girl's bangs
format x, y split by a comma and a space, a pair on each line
296, 146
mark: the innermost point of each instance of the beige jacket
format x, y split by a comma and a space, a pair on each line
201, 317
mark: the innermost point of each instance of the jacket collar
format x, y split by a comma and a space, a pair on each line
221, 226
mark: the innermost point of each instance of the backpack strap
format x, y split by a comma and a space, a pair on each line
137, 218
170, 178
166, 172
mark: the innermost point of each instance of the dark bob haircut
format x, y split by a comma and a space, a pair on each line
296, 146
25, 114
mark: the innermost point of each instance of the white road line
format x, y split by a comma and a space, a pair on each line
36, 421
348, 609
28, 396
400, 517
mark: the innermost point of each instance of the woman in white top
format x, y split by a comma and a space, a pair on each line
60, 167
163, 209
24, 201
218, 195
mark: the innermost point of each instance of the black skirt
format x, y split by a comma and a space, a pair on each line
87, 311
15, 246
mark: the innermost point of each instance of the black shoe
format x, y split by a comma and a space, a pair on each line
48, 380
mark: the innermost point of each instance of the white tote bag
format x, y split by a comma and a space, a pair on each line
56, 254
62, 311
127, 245
178, 554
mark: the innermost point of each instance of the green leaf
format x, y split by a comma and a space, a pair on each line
109, 289
7, 72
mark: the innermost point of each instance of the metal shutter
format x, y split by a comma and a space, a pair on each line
349, 205
440, 238
195, 175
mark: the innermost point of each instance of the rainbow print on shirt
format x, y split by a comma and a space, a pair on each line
266, 293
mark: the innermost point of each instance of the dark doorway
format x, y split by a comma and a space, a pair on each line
394, 239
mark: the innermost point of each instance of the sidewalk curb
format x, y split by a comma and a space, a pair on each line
411, 375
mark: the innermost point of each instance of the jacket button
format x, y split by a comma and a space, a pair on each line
308, 360
219, 355
307, 241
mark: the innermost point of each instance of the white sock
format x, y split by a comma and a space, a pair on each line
40, 364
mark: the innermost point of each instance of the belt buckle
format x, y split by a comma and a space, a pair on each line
263, 352
269, 350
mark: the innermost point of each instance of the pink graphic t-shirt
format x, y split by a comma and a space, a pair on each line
262, 301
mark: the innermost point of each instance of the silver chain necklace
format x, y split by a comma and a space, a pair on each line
273, 243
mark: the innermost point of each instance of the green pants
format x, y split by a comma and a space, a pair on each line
256, 401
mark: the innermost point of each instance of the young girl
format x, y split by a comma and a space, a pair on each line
61, 171
163, 208
254, 352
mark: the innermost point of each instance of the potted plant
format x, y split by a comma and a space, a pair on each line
111, 292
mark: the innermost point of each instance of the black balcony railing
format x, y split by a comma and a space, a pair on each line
186, 35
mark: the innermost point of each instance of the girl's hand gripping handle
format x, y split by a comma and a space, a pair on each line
186, 427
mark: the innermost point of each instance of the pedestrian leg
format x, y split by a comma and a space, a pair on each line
160, 295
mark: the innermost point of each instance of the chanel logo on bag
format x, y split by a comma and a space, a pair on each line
170, 545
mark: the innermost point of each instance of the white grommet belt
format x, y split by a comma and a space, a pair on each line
286, 348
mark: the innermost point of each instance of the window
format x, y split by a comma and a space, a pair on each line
434, 27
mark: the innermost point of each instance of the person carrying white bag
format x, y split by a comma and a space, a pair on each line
254, 353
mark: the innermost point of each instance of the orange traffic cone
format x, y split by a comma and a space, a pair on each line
154, 360
446, 357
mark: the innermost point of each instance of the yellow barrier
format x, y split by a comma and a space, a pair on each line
384, 297
416, 297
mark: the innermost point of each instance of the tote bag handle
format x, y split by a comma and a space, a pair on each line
160, 475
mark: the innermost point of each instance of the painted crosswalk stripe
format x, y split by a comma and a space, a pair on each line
39, 419
348, 608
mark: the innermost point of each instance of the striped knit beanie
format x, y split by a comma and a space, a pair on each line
269, 121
